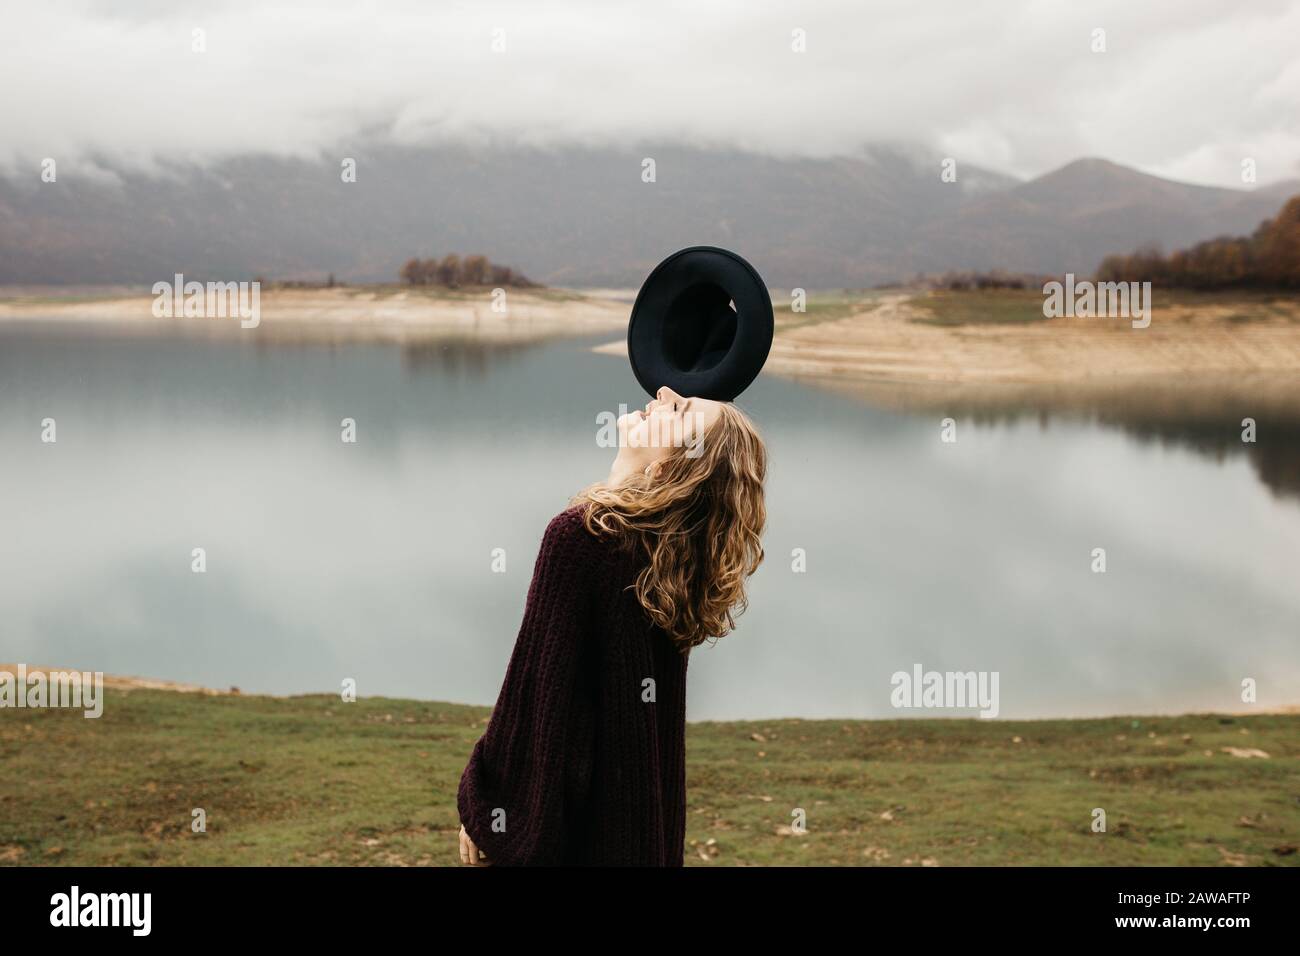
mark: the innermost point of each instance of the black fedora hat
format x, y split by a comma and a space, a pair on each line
701, 324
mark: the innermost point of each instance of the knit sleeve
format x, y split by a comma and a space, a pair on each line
513, 792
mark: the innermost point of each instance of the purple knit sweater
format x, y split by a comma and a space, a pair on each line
584, 759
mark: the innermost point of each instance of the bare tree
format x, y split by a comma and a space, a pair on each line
449, 271
474, 270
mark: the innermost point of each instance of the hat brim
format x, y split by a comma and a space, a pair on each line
701, 324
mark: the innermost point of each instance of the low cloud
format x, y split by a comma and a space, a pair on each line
1185, 89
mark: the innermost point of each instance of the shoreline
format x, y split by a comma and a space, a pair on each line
892, 343
344, 315
891, 347
897, 341
125, 682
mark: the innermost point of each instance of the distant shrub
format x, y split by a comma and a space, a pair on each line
1267, 259
967, 281
453, 272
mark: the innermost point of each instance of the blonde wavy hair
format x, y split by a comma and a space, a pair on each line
699, 521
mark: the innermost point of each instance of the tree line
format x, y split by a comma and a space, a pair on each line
452, 272
1267, 259
966, 281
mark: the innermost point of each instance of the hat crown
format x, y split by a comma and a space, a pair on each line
701, 324
699, 327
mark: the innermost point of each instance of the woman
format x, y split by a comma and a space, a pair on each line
583, 761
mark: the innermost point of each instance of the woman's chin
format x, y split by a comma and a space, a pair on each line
630, 429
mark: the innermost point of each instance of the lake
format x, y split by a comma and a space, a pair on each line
372, 560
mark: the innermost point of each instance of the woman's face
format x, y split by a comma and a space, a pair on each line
667, 422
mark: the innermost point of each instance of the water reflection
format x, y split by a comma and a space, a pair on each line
465, 357
372, 561
1208, 417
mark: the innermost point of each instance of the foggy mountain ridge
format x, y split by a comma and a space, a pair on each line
583, 216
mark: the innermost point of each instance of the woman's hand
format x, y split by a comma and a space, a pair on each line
469, 853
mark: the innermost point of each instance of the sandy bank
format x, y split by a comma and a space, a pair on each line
887, 342
350, 314
890, 341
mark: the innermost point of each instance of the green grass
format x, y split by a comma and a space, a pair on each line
1014, 306
992, 306
822, 307
1249, 298
313, 780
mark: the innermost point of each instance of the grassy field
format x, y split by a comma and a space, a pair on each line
312, 780
1012, 306
823, 307
995, 306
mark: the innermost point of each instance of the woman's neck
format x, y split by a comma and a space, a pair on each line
620, 472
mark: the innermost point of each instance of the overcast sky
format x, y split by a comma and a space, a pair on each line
1185, 89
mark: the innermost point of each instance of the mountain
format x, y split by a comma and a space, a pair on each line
585, 217
1067, 220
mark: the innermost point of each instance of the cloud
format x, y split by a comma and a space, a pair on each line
1186, 89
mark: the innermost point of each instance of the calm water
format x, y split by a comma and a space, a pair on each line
372, 561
